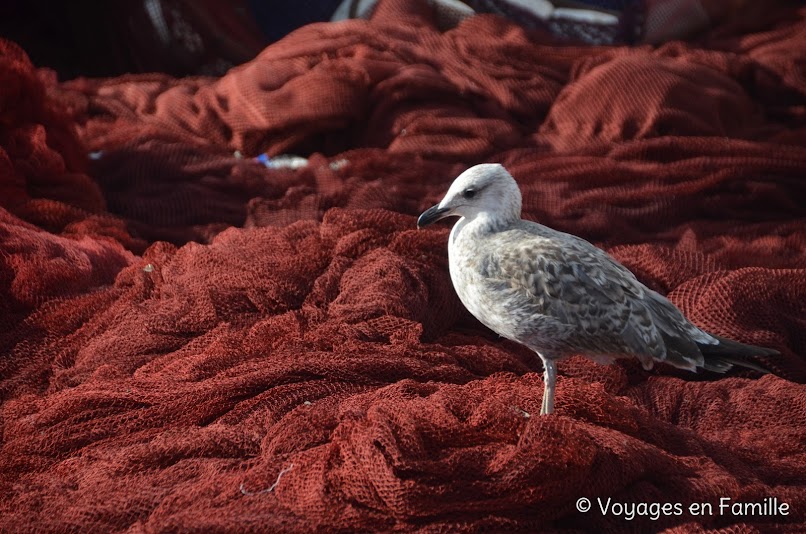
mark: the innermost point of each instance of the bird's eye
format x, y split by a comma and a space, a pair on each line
469, 193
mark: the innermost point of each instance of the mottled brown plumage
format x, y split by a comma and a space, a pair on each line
558, 294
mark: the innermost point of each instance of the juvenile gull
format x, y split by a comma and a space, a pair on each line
558, 294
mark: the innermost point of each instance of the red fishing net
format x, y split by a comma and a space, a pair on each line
193, 341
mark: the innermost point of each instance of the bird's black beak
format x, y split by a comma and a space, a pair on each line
432, 215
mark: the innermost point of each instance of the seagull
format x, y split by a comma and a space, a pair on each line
560, 295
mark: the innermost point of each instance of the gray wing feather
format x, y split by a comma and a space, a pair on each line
609, 311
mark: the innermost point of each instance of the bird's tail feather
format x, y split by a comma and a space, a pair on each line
721, 357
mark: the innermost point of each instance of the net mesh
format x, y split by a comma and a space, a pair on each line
194, 342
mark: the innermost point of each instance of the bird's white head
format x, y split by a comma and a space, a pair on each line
485, 190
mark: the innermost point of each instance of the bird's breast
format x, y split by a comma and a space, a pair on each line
489, 301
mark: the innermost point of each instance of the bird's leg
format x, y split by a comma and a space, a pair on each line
549, 379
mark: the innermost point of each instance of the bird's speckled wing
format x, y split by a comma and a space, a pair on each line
579, 285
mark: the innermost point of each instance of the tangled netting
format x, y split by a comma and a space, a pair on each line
192, 341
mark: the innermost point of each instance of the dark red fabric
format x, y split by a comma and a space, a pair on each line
191, 341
